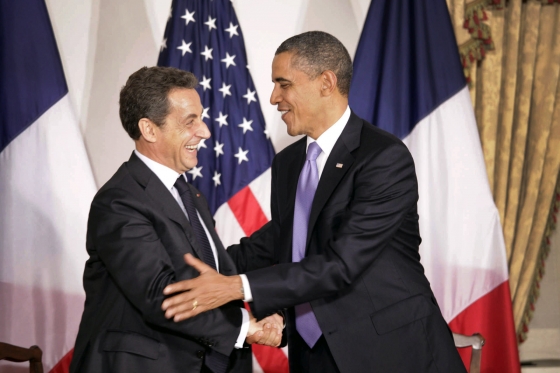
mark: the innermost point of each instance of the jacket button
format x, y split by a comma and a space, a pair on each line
200, 354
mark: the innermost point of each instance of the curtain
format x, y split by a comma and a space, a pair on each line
511, 57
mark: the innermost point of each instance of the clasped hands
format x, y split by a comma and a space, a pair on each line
211, 290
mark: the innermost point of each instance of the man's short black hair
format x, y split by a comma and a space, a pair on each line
145, 95
317, 51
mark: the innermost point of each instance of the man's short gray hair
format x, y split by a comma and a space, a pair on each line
317, 51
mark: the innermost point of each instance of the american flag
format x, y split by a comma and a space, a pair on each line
233, 171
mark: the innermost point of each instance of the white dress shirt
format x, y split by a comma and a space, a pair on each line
168, 177
326, 142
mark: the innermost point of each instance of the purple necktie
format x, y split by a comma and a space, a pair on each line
306, 323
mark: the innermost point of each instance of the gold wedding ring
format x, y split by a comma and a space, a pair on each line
194, 305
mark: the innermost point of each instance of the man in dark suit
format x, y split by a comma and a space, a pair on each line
141, 223
344, 236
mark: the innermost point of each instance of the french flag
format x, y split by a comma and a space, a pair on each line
409, 81
46, 186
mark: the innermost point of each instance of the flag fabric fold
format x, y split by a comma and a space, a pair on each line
408, 80
233, 171
46, 185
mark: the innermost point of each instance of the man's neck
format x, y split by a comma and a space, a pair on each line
332, 113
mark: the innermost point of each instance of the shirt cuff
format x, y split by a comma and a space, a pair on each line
246, 289
244, 329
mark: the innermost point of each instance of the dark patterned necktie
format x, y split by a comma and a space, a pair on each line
213, 360
188, 201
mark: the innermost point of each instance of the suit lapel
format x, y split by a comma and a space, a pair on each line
291, 176
161, 197
348, 141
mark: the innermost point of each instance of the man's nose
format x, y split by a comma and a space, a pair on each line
203, 131
274, 96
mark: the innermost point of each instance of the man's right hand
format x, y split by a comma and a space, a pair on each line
266, 332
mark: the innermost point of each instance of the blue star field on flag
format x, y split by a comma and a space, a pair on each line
204, 37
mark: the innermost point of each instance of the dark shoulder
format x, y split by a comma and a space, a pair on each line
375, 141
290, 153
381, 138
119, 180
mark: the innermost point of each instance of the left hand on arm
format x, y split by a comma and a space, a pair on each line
208, 291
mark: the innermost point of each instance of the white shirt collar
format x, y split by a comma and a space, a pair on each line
328, 138
167, 175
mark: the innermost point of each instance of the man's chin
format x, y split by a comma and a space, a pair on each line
291, 131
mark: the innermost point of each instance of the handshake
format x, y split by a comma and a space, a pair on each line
211, 290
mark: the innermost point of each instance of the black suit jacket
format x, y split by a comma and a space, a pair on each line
362, 272
137, 236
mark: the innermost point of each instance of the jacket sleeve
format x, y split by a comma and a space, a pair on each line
384, 191
123, 237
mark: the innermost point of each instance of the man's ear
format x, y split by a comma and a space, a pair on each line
148, 130
328, 82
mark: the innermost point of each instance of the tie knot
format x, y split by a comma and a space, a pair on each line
313, 151
181, 185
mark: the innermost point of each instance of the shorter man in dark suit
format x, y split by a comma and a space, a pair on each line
344, 236
141, 223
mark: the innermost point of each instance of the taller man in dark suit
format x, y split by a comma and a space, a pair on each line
141, 223
344, 235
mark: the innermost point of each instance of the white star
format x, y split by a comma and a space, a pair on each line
201, 144
246, 125
163, 45
188, 17
225, 89
205, 82
229, 60
232, 30
211, 23
205, 113
222, 119
195, 172
185, 48
219, 149
242, 155
250, 96
216, 178
207, 53
267, 133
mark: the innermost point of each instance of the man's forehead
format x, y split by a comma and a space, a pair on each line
185, 101
283, 69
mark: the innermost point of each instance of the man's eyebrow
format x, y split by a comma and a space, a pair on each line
189, 116
281, 80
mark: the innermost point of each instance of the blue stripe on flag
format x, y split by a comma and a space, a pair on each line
406, 64
31, 75
211, 27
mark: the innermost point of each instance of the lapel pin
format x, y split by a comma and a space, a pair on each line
197, 195
339, 165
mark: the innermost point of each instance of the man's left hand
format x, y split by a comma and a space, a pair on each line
208, 291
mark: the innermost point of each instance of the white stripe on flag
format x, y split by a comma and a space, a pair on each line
228, 228
261, 190
46, 187
462, 248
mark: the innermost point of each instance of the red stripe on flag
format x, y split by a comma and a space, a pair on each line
271, 359
491, 316
251, 217
247, 211
63, 366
